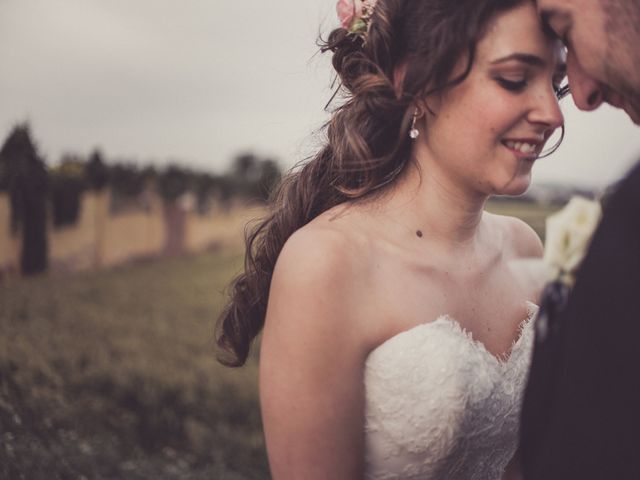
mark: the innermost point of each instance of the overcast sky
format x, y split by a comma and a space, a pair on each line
202, 80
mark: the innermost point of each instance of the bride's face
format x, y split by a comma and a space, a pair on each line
488, 131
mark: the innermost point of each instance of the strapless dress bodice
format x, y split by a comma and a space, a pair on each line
440, 406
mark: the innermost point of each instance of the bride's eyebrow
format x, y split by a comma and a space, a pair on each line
527, 58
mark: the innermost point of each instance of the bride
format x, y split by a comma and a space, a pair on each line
396, 319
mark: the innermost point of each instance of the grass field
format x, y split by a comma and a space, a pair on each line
112, 374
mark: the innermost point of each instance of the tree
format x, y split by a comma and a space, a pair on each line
4, 175
67, 182
96, 172
26, 179
126, 179
246, 168
254, 178
173, 182
205, 186
270, 175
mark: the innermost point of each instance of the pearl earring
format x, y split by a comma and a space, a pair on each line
413, 133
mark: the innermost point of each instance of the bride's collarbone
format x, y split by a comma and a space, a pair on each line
492, 312
440, 279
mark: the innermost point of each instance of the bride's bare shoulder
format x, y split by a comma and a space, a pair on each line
320, 286
333, 240
518, 237
522, 249
328, 256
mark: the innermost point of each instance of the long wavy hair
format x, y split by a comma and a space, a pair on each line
367, 143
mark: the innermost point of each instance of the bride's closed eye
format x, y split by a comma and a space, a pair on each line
516, 86
512, 85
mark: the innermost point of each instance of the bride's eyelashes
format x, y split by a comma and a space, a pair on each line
517, 86
561, 90
512, 85
560, 85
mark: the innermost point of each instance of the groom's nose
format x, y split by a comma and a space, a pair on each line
587, 92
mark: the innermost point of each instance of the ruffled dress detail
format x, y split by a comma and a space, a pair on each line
440, 406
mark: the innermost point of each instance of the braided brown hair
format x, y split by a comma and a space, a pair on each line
367, 144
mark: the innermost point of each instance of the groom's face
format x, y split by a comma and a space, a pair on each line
603, 42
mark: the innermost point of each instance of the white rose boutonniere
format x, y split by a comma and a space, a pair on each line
569, 233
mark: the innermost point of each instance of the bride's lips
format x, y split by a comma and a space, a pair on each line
527, 148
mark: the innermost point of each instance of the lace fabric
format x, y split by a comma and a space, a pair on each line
439, 405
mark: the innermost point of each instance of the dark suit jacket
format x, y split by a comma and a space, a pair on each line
581, 414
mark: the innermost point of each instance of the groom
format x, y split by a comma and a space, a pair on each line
581, 415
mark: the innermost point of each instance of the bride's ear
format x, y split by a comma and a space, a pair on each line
423, 107
430, 105
421, 112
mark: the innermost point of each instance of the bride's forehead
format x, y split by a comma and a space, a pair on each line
516, 30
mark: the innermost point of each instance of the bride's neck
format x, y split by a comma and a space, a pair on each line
437, 207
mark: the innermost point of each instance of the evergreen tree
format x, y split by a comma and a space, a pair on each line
126, 179
173, 182
254, 178
270, 175
26, 179
96, 172
66, 184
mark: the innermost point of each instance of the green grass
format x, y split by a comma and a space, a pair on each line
112, 375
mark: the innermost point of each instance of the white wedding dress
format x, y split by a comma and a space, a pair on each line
439, 406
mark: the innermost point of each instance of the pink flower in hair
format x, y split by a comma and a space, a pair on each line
347, 11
